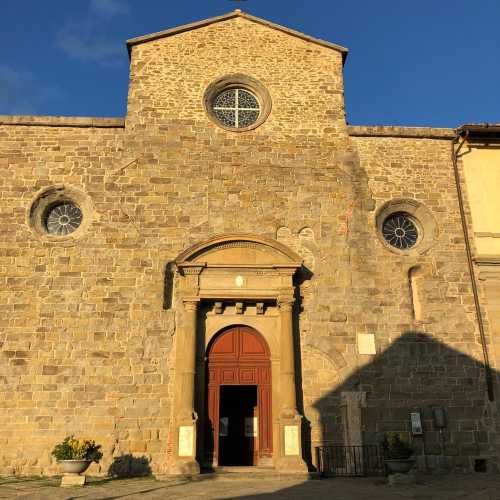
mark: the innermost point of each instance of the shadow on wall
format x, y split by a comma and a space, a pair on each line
417, 373
129, 466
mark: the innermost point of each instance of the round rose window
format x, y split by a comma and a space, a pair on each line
63, 219
236, 108
400, 231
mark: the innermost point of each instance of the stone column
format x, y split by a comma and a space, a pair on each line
352, 403
184, 436
290, 457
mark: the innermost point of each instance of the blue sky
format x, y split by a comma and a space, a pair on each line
417, 63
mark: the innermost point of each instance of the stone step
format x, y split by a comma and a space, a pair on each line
248, 472
232, 469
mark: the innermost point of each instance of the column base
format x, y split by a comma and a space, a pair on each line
183, 468
291, 460
291, 465
265, 462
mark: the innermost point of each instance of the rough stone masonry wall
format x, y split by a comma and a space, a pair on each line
294, 178
444, 369
83, 336
86, 341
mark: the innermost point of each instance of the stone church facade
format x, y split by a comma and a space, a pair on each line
233, 239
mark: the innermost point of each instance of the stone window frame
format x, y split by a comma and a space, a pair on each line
238, 81
421, 216
51, 196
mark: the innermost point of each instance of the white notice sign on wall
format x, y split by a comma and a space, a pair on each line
223, 426
186, 441
416, 424
291, 440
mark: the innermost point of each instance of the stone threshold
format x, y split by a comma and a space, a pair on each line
241, 473
253, 472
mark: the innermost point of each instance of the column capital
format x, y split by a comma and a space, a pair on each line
191, 270
190, 303
286, 303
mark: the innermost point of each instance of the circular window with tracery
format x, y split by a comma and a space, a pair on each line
60, 214
236, 107
400, 231
63, 219
406, 227
237, 103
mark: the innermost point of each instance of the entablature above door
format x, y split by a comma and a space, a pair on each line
238, 266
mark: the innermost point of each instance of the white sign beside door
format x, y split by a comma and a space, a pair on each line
186, 441
291, 440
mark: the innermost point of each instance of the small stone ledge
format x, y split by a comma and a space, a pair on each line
62, 121
70, 480
407, 132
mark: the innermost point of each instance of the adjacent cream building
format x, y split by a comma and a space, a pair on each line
231, 275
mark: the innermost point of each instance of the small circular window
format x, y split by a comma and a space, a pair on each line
236, 107
63, 219
60, 214
237, 103
406, 227
400, 231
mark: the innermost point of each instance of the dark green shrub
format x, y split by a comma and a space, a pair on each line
395, 447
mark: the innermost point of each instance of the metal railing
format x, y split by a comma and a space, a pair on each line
350, 461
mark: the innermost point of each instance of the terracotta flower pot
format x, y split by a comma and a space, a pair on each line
74, 466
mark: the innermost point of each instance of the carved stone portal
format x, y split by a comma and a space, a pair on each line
252, 278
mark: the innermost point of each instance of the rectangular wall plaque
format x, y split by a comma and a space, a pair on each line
186, 441
416, 424
291, 440
366, 343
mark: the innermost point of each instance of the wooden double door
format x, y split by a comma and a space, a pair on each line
239, 398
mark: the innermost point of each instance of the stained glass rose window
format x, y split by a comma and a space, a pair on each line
63, 219
400, 231
236, 108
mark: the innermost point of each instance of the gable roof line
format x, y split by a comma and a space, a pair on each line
230, 15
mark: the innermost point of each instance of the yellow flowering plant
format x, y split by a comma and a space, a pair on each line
77, 449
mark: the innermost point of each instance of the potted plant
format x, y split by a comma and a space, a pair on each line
397, 453
75, 455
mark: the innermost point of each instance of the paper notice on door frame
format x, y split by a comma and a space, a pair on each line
223, 426
251, 426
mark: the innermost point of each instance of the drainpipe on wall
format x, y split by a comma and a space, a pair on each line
454, 158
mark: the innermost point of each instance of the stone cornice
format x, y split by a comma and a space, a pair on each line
405, 132
62, 121
487, 260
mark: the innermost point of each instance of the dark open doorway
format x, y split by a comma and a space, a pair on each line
239, 370
238, 425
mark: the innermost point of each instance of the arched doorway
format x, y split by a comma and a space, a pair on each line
239, 398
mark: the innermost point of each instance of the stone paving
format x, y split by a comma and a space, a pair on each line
465, 487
